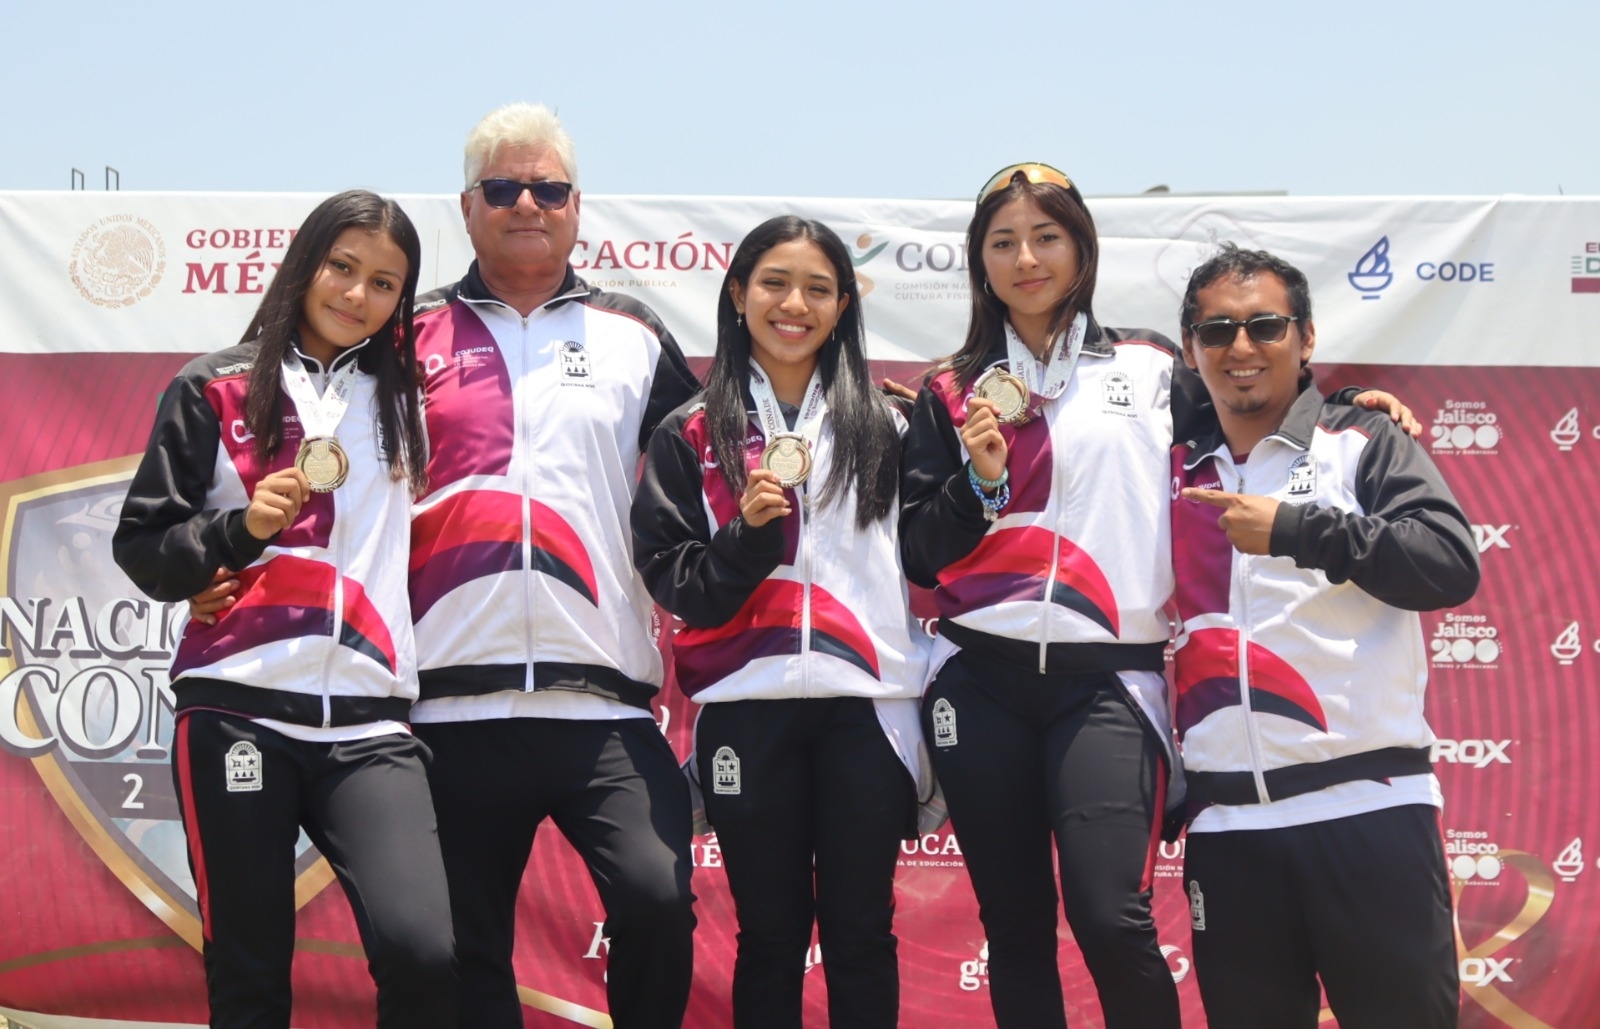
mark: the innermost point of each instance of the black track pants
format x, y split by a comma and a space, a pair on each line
245, 792
1027, 760
1361, 902
614, 790
810, 804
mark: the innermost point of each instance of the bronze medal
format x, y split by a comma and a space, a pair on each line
1007, 392
789, 456
324, 463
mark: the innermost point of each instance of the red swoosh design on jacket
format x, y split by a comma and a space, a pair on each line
282, 599
479, 533
1206, 671
1011, 564
768, 625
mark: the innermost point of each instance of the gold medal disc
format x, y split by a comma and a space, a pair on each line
1007, 392
789, 455
324, 463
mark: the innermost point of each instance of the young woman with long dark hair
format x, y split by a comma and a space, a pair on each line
1036, 504
292, 459
766, 520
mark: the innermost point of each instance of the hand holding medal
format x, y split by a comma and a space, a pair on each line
764, 498
981, 436
276, 503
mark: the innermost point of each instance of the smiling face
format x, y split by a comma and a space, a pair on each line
354, 293
1030, 262
1253, 384
521, 242
790, 306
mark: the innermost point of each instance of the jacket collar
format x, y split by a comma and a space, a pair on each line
1095, 341
474, 290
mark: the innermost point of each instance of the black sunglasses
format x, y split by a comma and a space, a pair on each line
1221, 332
548, 195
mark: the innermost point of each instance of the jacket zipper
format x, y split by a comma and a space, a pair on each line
524, 501
1057, 491
338, 616
805, 587
1252, 730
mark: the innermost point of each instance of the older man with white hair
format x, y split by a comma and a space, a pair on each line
533, 629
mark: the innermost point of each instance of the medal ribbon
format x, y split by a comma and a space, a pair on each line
809, 423
1064, 354
319, 416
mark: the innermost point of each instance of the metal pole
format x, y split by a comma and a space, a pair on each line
77, 179
110, 171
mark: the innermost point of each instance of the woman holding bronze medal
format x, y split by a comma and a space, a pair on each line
766, 521
1036, 503
292, 458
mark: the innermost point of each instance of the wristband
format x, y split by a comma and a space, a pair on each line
991, 484
992, 506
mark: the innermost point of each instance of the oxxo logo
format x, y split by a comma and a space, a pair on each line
1465, 426
1483, 971
1374, 272
1465, 640
1568, 431
1491, 537
1477, 753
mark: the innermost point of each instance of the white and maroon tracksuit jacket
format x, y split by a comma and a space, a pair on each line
1075, 571
1300, 675
808, 605
521, 567
321, 633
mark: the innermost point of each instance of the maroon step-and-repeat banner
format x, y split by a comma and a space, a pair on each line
1483, 314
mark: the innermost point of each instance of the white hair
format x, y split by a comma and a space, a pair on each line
518, 125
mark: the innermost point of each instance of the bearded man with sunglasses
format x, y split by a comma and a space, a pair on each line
1306, 536
537, 659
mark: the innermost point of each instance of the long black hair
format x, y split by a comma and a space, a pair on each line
866, 444
391, 356
986, 325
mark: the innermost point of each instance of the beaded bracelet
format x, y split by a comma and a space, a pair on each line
992, 506
978, 480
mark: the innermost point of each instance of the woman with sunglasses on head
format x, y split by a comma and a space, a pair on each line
766, 520
1035, 502
293, 457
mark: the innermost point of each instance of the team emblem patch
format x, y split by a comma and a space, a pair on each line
944, 723
243, 768
1117, 393
1197, 907
1302, 478
725, 772
574, 360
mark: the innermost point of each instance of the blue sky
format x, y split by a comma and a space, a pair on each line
919, 100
